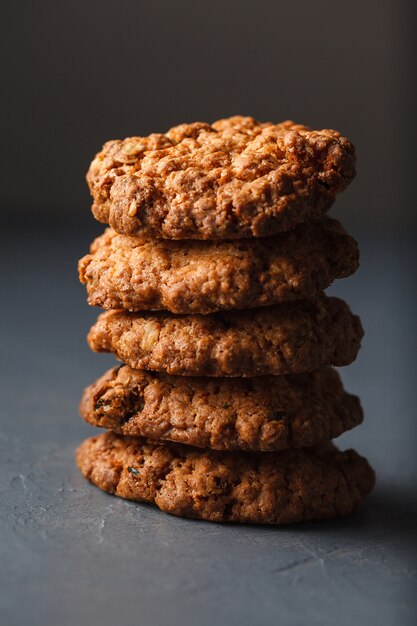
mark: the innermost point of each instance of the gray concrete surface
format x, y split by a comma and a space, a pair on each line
71, 554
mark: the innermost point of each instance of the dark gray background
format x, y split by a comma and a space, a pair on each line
75, 74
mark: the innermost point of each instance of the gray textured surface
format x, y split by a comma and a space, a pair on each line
71, 554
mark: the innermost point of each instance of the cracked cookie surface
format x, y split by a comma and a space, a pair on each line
269, 488
287, 338
235, 178
265, 413
202, 277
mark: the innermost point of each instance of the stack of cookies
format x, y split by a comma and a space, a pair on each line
212, 275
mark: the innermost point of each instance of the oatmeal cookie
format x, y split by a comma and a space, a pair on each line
268, 488
264, 413
286, 338
236, 178
203, 277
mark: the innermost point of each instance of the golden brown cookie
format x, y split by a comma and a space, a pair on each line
287, 338
233, 179
202, 277
266, 488
265, 413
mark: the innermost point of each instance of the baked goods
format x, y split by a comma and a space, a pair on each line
283, 339
212, 277
264, 488
264, 413
203, 277
232, 179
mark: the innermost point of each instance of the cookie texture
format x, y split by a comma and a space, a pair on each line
235, 178
202, 277
265, 413
282, 339
268, 488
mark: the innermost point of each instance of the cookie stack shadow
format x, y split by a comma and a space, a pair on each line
212, 274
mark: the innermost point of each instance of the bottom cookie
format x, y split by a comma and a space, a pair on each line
266, 488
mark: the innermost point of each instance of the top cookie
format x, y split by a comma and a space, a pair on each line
235, 178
